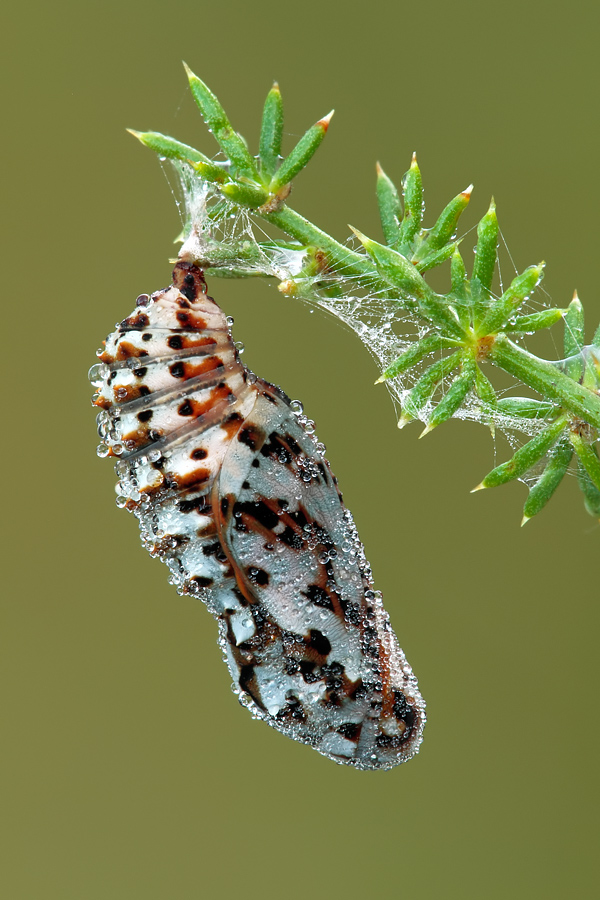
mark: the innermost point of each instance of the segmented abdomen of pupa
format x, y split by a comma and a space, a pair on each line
234, 494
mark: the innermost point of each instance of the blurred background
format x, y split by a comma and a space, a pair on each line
128, 768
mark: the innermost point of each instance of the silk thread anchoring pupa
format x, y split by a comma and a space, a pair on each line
233, 492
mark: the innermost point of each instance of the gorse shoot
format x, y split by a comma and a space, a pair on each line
434, 350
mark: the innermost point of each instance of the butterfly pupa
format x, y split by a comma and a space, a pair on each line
234, 494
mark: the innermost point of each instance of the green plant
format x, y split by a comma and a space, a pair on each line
432, 347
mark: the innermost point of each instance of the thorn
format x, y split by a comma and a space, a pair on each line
413, 161
361, 237
525, 520
324, 122
380, 380
467, 192
378, 169
404, 420
480, 487
136, 134
276, 87
575, 295
426, 431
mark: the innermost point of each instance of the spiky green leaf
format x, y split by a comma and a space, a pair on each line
485, 263
591, 494
271, 132
574, 339
426, 385
401, 273
249, 195
168, 147
525, 408
588, 455
455, 395
535, 322
412, 186
436, 258
432, 343
445, 227
216, 119
520, 288
301, 154
541, 492
526, 456
390, 208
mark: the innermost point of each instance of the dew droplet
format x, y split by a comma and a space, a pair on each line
296, 407
98, 373
102, 450
239, 346
230, 320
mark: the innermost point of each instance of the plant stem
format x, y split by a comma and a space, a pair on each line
544, 377
301, 229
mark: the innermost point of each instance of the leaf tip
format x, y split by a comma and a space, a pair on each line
404, 420
525, 520
324, 122
480, 487
426, 430
365, 241
467, 192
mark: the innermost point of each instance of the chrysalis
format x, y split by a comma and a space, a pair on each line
233, 493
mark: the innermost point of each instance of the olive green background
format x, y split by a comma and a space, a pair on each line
128, 768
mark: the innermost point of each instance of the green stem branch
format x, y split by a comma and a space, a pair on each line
339, 256
545, 378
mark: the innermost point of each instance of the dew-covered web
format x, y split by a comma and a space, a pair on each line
223, 236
